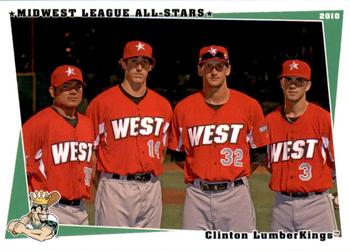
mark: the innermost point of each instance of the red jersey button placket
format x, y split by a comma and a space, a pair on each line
214, 148
139, 141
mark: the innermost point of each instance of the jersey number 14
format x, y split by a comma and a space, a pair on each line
153, 149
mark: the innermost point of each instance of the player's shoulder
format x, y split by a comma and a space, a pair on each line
316, 109
318, 116
84, 118
242, 97
189, 101
159, 98
43, 115
105, 95
48, 111
274, 112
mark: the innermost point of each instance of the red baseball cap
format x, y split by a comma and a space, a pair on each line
213, 52
296, 68
64, 73
138, 49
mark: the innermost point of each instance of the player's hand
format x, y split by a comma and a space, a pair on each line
335, 200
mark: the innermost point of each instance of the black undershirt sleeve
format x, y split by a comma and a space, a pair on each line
258, 155
176, 156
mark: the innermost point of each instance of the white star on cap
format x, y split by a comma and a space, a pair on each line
70, 71
293, 66
213, 51
140, 46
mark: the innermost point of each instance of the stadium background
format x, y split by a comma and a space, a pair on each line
256, 50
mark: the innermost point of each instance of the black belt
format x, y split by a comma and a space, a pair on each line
141, 177
74, 203
222, 186
300, 194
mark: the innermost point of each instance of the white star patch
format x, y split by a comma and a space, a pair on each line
293, 66
70, 71
213, 51
140, 46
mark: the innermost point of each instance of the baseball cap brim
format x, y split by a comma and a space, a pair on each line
293, 75
152, 60
213, 59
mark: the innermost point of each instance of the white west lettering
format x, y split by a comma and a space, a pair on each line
208, 133
60, 152
276, 151
298, 149
235, 132
159, 122
74, 151
135, 126
146, 126
82, 151
283, 151
120, 128
221, 134
71, 151
286, 150
90, 147
311, 147
195, 134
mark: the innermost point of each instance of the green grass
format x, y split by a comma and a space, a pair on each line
173, 180
172, 216
262, 198
90, 207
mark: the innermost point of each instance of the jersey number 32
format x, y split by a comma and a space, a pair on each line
231, 157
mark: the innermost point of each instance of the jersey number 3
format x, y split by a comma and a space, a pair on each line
307, 172
232, 157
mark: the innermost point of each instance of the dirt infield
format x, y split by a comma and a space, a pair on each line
173, 196
171, 166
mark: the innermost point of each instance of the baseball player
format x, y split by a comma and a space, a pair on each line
131, 124
300, 156
58, 143
216, 129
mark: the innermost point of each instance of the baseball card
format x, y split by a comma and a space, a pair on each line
163, 125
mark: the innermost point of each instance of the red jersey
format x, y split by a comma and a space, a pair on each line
217, 142
301, 153
58, 155
131, 137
